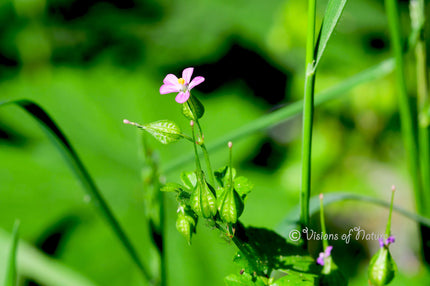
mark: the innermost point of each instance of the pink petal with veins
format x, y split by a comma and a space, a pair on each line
186, 74
171, 79
182, 97
168, 88
196, 81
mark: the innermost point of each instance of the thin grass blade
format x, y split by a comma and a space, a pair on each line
10, 279
331, 19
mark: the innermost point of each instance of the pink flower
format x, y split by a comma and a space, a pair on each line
182, 85
324, 255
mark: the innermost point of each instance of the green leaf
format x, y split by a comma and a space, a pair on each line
189, 179
296, 278
165, 131
195, 105
245, 280
331, 18
60, 141
11, 265
243, 186
171, 187
283, 114
265, 250
222, 175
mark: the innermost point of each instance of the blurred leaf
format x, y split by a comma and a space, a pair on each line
11, 266
34, 264
331, 18
165, 131
69, 154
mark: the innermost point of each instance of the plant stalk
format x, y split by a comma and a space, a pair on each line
409, 137
308, 106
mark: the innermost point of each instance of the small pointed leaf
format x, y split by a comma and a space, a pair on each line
165, 131
196, 106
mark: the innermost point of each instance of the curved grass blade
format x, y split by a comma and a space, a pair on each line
332, 16
378, 71
10, 279
329, 198
38, 266
70, 156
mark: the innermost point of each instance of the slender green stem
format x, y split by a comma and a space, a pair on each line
308, 107
323, 229
408, 133
203, 146
418, 18
163, 255
196, 154
388, 229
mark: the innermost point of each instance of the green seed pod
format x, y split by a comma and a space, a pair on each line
382, 268
203, 199
230, 205
186, 223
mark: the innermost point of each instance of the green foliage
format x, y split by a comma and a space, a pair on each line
245, 279
264, 250
165, 131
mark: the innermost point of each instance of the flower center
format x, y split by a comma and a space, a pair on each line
181, 80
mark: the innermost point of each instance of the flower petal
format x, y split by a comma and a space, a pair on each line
391, 239
182, 97
196, 81
320, 259
168, 88
171, 79
186, 74
381, 242
328, 250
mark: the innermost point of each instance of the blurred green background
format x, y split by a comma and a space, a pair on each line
91, 64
